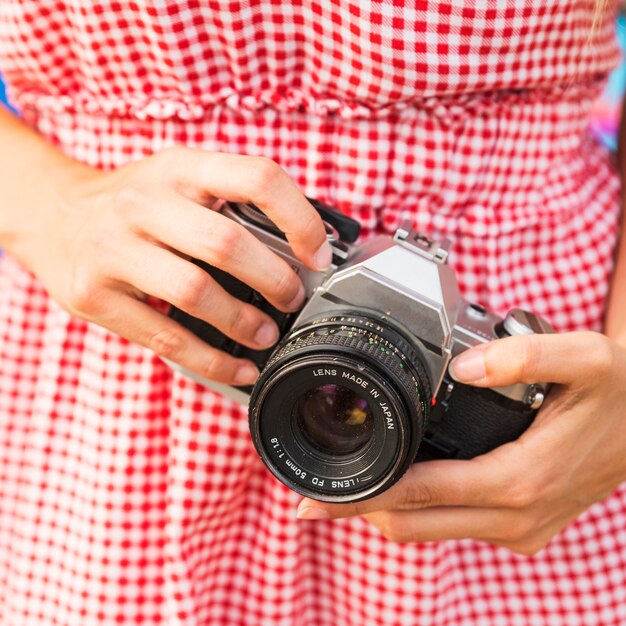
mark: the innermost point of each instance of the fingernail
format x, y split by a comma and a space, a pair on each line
267, 335
298, 301
468, 367
311, 512
246, 375
323, 257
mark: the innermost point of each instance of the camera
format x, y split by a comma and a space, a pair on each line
357, 389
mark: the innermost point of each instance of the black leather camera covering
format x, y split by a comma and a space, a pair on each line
472, 421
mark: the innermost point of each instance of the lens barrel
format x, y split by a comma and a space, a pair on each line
341, 407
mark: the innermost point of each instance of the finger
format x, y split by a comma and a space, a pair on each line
496, 526
203, 234
163, 274
259, 180
437, 524
141, 324
432, 484
577, 359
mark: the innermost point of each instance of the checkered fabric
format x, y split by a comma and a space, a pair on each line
130, 495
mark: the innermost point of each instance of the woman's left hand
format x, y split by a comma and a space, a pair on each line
524, 492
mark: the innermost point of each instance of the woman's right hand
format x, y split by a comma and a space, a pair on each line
113, 238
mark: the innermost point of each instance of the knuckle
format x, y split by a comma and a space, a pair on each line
191, 290
218, 368
529, 547
167, 343
522, 494
391, 527
518, 530
264, 173
223, 243
171, 156
602, 356
240, 322
416, 495
285, 286
176, 151
130, 198
167, 163
86, 297
313, 223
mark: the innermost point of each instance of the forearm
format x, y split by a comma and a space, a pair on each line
33, 176
615, 324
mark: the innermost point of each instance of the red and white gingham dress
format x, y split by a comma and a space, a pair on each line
130, 495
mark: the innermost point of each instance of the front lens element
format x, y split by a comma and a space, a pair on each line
334, 420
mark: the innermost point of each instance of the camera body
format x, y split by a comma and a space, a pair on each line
357, 388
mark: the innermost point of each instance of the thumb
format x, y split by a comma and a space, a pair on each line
573, 359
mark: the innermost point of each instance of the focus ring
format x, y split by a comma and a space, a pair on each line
391, 353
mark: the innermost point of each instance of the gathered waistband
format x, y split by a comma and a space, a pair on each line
443, 107
486, 165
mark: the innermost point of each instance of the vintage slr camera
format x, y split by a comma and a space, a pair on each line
357, 388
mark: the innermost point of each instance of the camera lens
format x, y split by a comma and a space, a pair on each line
340, 409
334, 419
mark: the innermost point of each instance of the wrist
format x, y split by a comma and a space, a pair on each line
37, 201
34, 178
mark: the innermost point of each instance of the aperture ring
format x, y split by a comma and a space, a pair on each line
385, 348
